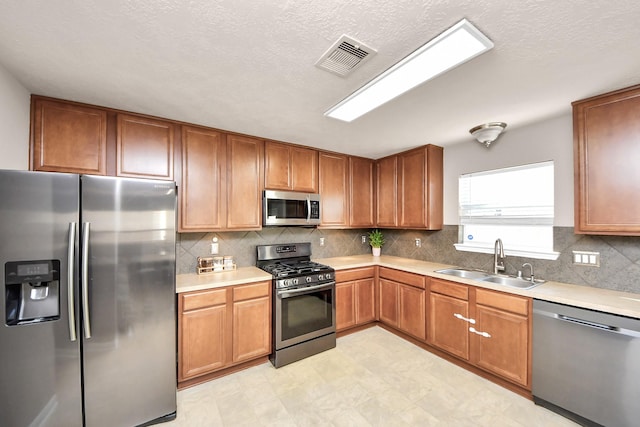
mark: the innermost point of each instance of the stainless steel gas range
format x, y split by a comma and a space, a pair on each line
304, 314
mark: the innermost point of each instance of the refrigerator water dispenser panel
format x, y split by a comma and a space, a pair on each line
32, 290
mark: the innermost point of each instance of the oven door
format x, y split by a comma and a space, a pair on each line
303, 314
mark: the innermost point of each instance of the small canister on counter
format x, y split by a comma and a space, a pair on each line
228, 262
218, 263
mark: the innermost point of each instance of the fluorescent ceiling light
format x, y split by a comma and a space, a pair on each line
455, 46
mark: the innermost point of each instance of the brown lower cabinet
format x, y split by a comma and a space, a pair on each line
222, 327
489, 329
403, 301
355, 297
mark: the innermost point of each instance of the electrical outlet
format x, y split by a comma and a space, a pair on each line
591, 259
322, 241
364, 239
418, 243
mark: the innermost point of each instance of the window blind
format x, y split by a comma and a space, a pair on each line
511, 196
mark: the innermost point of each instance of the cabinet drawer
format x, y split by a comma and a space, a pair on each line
200, 299
251, 291
512, 303
450, 289
354, 274
403, 277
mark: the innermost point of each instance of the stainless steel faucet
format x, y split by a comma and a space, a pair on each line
498, 257
531, 277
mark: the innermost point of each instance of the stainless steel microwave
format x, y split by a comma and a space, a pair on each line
290, 208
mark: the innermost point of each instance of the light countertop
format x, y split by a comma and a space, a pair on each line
198, 282
622, 303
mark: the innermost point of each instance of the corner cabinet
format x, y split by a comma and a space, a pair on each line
491, 330
606, 132
355, 297
403, 301
68, 137
410, 189
361, 192
387, 192
220, 328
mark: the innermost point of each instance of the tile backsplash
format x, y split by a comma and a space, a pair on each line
619, 255
242, 244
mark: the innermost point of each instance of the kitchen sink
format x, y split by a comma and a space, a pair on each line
466, 273
482, 276
514, 282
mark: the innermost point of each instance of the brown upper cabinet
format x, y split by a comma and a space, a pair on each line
290, 167
144, 147
222, 175
245, 182
334, 190
410, 189
67, 137
204, 169
606, 133
387, 192
347, 191
77, 138
361, 192
221, 181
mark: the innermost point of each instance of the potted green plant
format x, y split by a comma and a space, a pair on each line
376, 240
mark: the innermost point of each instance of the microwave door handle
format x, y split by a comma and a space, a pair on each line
308, 209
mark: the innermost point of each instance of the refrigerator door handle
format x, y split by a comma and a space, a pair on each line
71, 297
85, 280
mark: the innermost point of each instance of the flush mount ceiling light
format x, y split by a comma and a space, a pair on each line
453, 47
488, 132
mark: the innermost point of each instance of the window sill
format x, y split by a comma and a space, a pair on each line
511, 252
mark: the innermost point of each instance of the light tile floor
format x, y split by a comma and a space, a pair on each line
372, 378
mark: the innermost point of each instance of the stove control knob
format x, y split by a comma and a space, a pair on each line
294, 281
327, 276
320, 276
308, 279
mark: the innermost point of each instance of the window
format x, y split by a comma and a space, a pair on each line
514, 204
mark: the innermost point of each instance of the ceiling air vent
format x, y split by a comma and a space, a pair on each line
344, 56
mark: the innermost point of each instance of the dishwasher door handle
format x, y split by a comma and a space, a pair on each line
590, 324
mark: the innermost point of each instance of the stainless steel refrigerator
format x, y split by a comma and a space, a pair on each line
88, 333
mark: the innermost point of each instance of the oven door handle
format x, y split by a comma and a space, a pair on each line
294, 292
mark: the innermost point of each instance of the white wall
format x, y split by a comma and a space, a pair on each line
550, 139
14, 122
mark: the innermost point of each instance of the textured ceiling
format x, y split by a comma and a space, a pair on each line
248, 66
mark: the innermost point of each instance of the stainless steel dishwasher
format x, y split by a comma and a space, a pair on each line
586, 364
